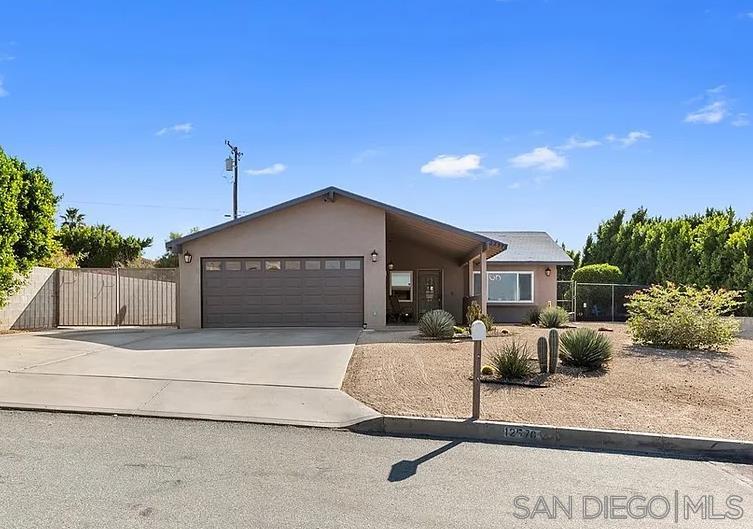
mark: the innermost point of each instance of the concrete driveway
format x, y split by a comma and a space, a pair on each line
282, 376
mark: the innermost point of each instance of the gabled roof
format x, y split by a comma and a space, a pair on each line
529, 247
494, 246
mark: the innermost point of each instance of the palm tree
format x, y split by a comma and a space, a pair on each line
72, 218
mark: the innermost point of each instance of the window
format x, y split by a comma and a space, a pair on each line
253, 265
313, 265
292, 265
401, 285
272, 265
213, 266
352, 264
233, 266
506, 287
332, 265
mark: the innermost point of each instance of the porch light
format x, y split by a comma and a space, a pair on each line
374, 256
390, 265
548, 271
187, 258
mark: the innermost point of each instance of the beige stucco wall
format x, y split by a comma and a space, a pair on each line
407, 255
544, 291
344, 228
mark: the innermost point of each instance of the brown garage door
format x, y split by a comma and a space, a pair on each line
280, 292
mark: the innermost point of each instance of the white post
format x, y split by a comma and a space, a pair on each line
484, 283
478, 334
471, 292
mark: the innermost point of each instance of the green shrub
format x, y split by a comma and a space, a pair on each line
459, 330
598, 273
533, 316
511, 360
487, 370
687, 317
585, 348
473, 313
553, 317
437, 324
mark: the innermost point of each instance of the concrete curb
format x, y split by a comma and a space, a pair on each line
671, 446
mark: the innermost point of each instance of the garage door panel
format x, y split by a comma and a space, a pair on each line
325, 291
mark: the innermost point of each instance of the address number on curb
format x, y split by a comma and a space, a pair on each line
517, 432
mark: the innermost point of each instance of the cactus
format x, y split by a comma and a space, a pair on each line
554, 347
543, 352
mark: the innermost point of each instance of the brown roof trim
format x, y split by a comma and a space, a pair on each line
331, 192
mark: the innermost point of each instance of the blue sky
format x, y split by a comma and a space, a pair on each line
517, 114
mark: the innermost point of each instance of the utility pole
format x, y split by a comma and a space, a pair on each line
231, 164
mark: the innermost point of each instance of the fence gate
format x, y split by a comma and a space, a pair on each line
117, 296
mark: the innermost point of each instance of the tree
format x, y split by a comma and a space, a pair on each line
101, 246
598, 273
27, 221
565, 272
713, 249
72, 218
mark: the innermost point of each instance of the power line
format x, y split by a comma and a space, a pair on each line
124, 204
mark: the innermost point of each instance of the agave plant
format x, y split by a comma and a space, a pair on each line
553, 317
437, 324
511, 360
585, 348
533, 316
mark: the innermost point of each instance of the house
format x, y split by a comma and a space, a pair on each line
334, 258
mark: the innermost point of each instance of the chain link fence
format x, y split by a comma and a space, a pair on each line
595, 301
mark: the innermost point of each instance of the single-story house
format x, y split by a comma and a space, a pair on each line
334, 258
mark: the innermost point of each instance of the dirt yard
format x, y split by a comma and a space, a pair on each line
706, 394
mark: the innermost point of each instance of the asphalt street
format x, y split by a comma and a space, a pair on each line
74, 471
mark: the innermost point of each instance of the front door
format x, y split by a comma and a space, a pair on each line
429, 287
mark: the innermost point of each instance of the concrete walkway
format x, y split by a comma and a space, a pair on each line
278, 376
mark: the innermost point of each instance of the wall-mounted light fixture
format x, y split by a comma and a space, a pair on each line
548, 271
187, 258
390, 265
374, 256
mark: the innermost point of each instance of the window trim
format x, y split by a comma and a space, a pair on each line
532, 273
410, 291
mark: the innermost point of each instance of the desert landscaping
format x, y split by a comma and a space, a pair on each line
700, 393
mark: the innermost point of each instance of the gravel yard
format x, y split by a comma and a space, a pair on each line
698, 393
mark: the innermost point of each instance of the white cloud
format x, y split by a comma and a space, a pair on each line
180, 128
366, 155
4, 57
275, 168
741, 120
710, 114
542, 158
749, 15
515, 185
631, 138
3, 91
574, 142
450, 166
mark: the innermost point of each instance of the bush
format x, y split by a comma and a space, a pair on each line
687, 317
533, 316
553, 317
511, 360
473, 313
585, 348
598, 273
487, 370
437, 324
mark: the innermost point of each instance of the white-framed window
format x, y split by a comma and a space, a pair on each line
401, 284
506, 287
